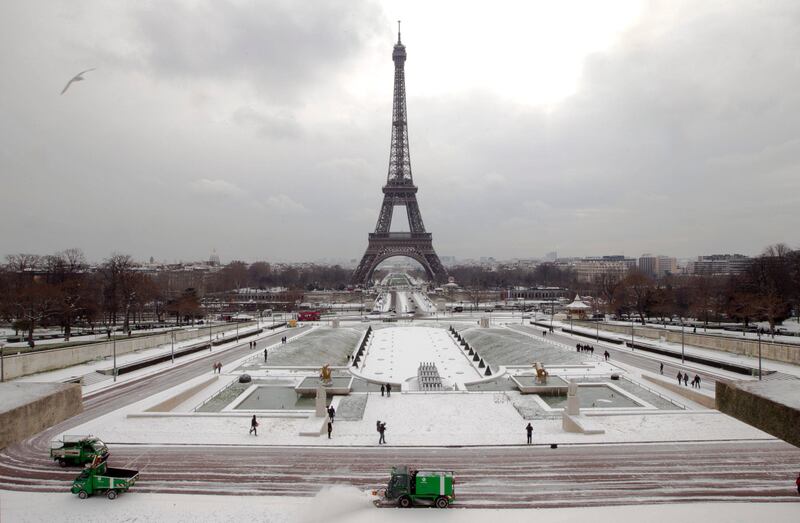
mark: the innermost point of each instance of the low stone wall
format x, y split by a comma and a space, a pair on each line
29, 408
697, 397
784, 352
169, 404
756, 404
27, 363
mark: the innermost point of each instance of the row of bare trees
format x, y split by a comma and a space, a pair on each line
62, 290
769, 290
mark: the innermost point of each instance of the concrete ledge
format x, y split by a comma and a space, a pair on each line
698, 397
169, 404
314, 426
28, 408
771, 406
580, 424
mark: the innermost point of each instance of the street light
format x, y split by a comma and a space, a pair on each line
172, 337
632, 333
682, 344
759, 355
114, 349
2, 362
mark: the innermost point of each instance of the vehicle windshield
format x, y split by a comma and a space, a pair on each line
99, 446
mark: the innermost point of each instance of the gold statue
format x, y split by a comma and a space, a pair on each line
541, 373
325, 374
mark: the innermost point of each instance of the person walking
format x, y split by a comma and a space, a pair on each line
330, 428
686, 380
383, 389
661, 368
382, 431
265, 355
797, 482
697, 377
254, 426
331, 413
606, 355
388, 389
680, 377
529, 430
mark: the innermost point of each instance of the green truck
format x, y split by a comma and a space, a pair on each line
77, 450
408, 487
99, 478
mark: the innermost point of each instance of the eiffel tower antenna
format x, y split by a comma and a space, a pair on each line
399, 190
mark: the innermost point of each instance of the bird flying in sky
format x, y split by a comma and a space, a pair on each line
76, 78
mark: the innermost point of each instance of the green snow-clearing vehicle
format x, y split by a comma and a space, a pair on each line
77, 450
408, 487
98, 477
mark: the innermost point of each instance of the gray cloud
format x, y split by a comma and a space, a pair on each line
227, 125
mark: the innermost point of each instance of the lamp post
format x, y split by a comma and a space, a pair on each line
172, 350
682, 344
597, 331
759, 355
114, 349
2, 362
632, 333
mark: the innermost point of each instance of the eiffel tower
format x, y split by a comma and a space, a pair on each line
399, 190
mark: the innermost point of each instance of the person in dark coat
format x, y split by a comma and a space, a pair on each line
254, 426
265, 355
383, 389
661, 368
388, 389
686, 380
331, 413
680, 377
330, 428
382, 431
797, 482
529, 429
606, 355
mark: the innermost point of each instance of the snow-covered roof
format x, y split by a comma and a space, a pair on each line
578, 304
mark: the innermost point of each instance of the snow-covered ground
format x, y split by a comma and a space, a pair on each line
340, 504
394, 355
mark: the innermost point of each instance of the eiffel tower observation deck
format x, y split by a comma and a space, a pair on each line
399, 190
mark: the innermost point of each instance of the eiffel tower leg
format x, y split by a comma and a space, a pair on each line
415, 223
385, 216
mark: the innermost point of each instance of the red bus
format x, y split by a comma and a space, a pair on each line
308, 316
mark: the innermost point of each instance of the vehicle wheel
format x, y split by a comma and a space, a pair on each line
62, 462
404, 502
441, 502
111, 494
82, 494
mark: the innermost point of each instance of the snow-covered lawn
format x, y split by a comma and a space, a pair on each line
394, 355
340, 504
426, 419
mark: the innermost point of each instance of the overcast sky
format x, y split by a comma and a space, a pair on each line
261, 129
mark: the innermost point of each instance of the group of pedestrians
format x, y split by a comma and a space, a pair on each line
684, 377
386, 389
283, 340
584, 348
218, 367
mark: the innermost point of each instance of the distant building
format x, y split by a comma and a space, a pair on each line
719, 264
657, 265
535, 293
550, 256
591, 268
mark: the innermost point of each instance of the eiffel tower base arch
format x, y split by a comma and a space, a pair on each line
417, 246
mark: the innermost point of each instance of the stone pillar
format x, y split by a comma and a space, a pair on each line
573, 404
322, 402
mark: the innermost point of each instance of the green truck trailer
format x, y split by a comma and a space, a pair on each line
77, 450
99, 477
408, 487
